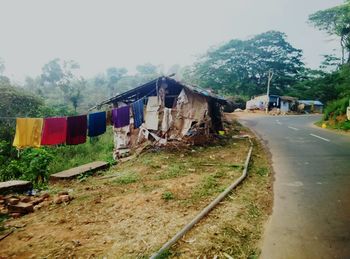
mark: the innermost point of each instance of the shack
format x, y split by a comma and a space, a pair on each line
310, 106
171, 112
261, 102
287, 103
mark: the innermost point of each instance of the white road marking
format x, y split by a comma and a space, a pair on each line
292, 128
279, 123
316, 136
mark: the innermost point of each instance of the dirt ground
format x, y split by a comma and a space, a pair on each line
149, 199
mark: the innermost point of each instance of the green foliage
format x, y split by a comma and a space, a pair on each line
336, 108
126, 179
208, 186
15, 103
62, 75
173, 171
167, 195
31, 165
241, 66
263, 171
35, 163
335, 21
113, 75
323, 86
98, 148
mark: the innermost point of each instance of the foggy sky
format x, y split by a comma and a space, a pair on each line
101, 34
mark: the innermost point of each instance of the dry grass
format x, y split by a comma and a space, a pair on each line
152, 197
235, 226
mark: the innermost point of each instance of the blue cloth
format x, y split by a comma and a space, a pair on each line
97, 124
137, 110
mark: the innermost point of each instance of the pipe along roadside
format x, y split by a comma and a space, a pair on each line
207, 209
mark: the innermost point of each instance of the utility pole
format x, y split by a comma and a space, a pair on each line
269, 78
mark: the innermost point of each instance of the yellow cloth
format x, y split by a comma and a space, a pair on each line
28, 132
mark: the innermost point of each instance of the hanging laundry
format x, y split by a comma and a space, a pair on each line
54, 131
121, 116
109, 117
151, 117
167, 120
137, 110
76, 129
28, 132
97, 124
152, 104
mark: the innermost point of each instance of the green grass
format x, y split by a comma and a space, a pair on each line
173, 171
208, 186
127, 178
167, 195
99, 148
3, 218
262, 171
336, 108
332, 111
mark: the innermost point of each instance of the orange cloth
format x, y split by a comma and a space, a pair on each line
28, 132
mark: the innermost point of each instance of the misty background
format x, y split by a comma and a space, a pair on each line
103, 34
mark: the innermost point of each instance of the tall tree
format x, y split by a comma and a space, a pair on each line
242, 66
15, 103
146, 72
62, 75
4, 80
335, 21
113, 76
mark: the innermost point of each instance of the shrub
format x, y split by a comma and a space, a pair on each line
167, 196
36, 162
31, 165
336, 108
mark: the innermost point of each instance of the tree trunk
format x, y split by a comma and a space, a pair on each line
342, 50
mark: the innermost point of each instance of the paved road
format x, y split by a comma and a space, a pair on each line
311, 213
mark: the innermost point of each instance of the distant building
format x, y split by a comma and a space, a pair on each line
287, 103
261, 102
310, 106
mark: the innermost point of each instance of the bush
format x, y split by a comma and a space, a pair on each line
36, 162
336, 108
167, 196
31, 165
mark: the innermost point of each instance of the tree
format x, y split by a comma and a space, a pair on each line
52, 72
335, 21
4, 80
2, 66
146, 72
15, 103
324, 86
62, 75
147, 69
242, 66
113, 76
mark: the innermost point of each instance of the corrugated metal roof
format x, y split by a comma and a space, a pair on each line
150, 88
310, 102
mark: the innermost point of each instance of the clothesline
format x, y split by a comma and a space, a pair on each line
8, 118
73, 130
14, 118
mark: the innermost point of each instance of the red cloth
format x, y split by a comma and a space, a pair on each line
76, 130
54, 131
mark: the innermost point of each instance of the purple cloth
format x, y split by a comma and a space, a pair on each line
121, 116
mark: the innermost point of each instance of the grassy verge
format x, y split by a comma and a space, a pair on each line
98, 148
147, 200
235, 227
335, 115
